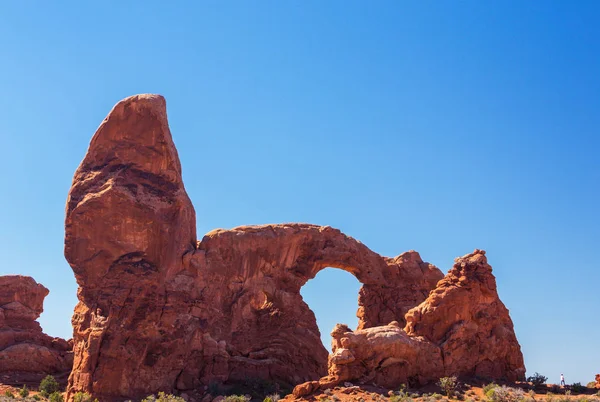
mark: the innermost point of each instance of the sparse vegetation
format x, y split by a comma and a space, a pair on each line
537, 379
83, 397
505, 394
8, 393
578, 388
56, 397
162, 397
240, 398
48, 386
448, 385
272, 398
24, 392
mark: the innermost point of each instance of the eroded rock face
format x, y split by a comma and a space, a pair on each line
159, 310
461, 329
23, 345
464, 315
384, 355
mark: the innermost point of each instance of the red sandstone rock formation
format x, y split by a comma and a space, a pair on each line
597, 381
160, 311
23, 345
462, 329
465, 317
383, 355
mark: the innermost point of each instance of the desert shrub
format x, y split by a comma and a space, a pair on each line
37, 397
488, 387
24, 392
400, 398
238, 398
591, 384
83, 397
8, 393
537, 379
162, 397
272, 398
448, 385
437, 396
578, 388
56, 397
505, 394
48, 386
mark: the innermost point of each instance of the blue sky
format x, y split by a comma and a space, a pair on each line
435, 126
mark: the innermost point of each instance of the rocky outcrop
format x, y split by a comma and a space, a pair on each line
465, 317
383, 355
23, 346
597, 381
159, 310
462, 329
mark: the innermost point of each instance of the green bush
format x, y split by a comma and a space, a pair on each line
578, 388
537, 379
8, 393
83, 397
237, 398
48, 386
400, 398
37, 397
162, 397
24, 392
272, 398
437, 396
56, 397
448, 385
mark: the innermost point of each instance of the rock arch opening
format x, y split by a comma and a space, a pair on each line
332, 295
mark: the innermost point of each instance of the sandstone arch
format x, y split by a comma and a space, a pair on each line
159, 310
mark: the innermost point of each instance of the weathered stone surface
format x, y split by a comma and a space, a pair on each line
23, 345
462, 329
129, 222
465, 317
383, 355
159, 310
597, 381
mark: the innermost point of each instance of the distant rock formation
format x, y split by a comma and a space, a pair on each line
159, 310
23, 346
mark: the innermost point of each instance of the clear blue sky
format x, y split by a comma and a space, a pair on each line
438, 126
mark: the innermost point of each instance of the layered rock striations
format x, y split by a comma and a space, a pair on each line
23, 346
159, 310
